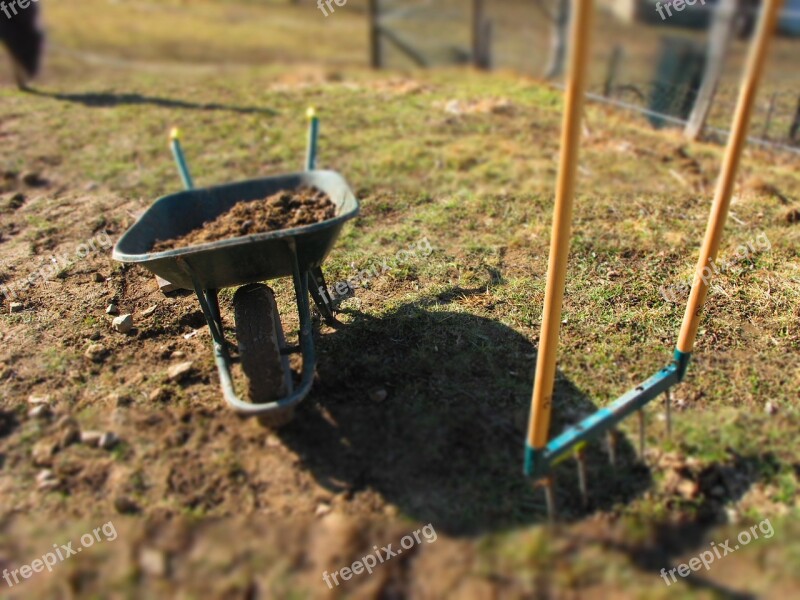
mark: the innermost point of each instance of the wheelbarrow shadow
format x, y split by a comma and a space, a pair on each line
445, 445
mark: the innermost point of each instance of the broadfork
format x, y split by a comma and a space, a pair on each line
540, 455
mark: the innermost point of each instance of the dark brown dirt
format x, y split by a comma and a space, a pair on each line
284, 210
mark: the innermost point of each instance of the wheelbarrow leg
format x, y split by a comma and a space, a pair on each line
321, 295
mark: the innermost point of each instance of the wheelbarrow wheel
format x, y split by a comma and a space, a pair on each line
260, 337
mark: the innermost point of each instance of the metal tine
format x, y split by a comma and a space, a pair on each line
580, 457
550, 499
642, 423
668, 412
612, 437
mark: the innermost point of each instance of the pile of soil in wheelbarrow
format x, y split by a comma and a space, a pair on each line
283, 210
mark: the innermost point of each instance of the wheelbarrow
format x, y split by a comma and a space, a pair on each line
247, 261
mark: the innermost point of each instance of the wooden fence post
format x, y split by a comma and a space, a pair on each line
720, 35
375, 54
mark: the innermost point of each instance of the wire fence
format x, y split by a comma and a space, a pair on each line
639, 63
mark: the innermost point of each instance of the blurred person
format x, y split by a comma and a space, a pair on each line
22, 35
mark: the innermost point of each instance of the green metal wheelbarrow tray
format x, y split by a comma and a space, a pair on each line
246, 261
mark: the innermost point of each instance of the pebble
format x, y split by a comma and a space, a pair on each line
112, 309
95, 352
47, 481
126, 506
70, 432
108, 440
16, 307
178, 354
153, 562
159, 395
149, 311
40, 411
322, 509
91, 438
32, 178
378, 395
15, 201
43, 453
688, 489
36, 400
120, 400
123, 323
180, 371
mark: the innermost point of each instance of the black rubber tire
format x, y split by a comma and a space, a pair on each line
260, 338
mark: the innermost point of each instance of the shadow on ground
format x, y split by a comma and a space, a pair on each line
446, 443
109, 99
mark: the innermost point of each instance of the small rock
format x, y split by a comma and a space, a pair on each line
15, 201
688, 489
322, 509
70, 432
273, 441
96, 352
178, 354
40, 411
44, 474
123, 324
180, 371
120, 400
149, 311
108, 440
771, 408
37, 400
126, 506
153, 562
16, 307
91, 438
159, 394
46, 481
378, 395
112, 309
32, 178
99, 277
165, 286
43, 453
